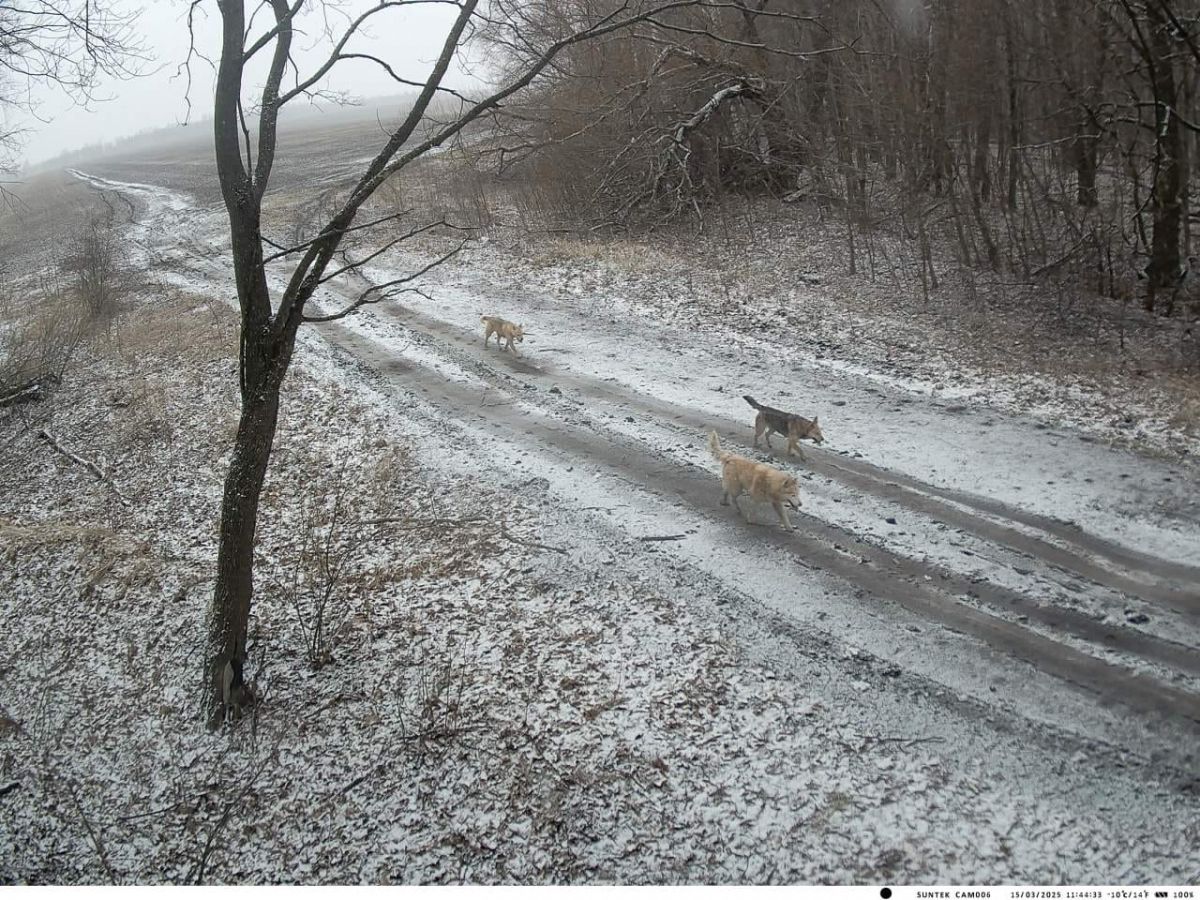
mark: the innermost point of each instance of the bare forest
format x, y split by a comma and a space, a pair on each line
1046, 144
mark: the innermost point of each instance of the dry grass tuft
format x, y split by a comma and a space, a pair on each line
631, 256
102, 555
184, 327
40, 334
1187, 414
14, 537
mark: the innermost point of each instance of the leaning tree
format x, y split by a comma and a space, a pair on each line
245, 158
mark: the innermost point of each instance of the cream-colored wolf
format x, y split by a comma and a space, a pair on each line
502, 328
762, 482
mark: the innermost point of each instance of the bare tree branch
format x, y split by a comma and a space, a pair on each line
378, 292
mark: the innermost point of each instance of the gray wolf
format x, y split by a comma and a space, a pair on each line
502, 328
795, 427
762, 482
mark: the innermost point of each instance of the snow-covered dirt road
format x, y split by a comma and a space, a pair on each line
1020, 571
1006, 559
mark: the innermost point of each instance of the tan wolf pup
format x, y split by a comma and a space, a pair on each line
502, 328
795, 427
762, 482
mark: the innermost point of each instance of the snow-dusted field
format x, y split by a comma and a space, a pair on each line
556, 657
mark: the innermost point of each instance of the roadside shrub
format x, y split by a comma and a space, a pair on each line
38, 339
318, 566
95, 264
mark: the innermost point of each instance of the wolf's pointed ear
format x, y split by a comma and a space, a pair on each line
816, 419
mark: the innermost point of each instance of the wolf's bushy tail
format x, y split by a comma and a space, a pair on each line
751, 401
714, 447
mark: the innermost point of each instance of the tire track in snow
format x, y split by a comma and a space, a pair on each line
1063, 546
1174, 585
875, 573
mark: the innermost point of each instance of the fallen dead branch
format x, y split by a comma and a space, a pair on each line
504, 533
662, 537
74, 457
96, 842
900, 739
385, 763
404, 524
196, 875
31, 391
86, 463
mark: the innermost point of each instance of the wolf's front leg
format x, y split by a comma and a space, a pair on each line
783, 517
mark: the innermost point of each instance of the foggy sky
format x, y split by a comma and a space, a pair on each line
409, 40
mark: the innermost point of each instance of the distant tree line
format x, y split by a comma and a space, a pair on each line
1037, 135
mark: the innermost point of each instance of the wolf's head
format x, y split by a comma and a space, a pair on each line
813, 433
518, 333
789, 492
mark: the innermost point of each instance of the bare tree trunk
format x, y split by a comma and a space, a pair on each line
230, 614
981, 176
1084, 146
985, 231
1090, 131
1166, 198
1186, 163
1014, 113
936, 152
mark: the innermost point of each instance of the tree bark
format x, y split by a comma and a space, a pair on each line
234, 589
1094, 59
1084, 146
936, 162
1014, 114
981, 176
235, 553
1166, 201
